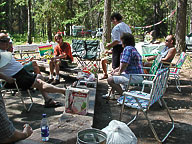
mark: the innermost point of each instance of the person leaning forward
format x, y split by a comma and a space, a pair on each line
8, 133
62, 52
14, 69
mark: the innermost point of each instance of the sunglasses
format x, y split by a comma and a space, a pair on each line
167, 40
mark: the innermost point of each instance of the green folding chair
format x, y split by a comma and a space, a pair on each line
174, 72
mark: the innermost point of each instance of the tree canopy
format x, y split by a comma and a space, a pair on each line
50, 16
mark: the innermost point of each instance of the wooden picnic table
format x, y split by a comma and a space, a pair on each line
29, 49
65, 130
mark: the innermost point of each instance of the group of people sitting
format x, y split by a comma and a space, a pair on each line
126, 59
12, 70
131, 63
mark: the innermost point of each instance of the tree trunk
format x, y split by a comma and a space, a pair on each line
29, 23
181, 25
190, 16
49, 31
106, 37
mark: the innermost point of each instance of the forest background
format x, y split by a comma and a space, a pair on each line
38, 20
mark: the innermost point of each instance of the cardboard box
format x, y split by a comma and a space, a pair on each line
76, 101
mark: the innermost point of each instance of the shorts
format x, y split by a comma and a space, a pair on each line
65, 63
109, 58
116, 54
29, 67
124, 79
24, 80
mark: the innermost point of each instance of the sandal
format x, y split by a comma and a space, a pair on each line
104, 77
52, 104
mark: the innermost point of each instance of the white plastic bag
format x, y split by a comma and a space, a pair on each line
119, 133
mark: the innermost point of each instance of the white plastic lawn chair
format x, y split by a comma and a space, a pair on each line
142, 101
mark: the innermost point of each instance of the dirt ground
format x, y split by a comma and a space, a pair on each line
180, 105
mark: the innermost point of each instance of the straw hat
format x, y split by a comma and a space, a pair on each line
5, 58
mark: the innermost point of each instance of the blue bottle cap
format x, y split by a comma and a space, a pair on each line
44, 115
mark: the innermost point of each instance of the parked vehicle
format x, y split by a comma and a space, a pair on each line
76, 30
85, 32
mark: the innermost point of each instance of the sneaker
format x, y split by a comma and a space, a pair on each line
55, 82
106, 96
50, 80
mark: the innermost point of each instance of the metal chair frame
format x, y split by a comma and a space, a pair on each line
175, 71
18, 94
152, 70
159, 85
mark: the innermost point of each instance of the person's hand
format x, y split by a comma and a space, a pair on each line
108, 45
27, 130
114, 71
116, 74
64, 55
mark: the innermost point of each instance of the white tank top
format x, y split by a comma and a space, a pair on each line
11, 68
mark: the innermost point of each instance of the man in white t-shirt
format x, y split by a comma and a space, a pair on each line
25, 80
116, 45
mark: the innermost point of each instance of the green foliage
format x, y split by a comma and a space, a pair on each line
65, 13
2, 13
21, 2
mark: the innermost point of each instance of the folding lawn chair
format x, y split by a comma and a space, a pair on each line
174, 72
142, 101
152, 70
78, 50
17, 92
148, 80
86, 51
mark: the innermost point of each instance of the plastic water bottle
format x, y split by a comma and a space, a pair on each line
44, 128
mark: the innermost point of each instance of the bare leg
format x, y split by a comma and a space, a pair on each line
51, 66
36, 67
147, 64
57, 64
104, 66
114, 86
46, 88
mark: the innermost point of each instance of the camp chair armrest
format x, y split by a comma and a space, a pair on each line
135, 96
146, 67
171, 65
175, 74
148, 75
164, 62
148, 55
149, 82
174, 67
